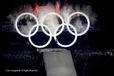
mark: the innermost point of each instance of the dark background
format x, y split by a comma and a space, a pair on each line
14, 50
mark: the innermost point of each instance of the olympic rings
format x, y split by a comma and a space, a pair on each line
37, 46
68, 45
56, 33
88, 22
53, 13
16, 22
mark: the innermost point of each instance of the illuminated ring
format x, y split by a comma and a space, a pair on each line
39, 46
52, 13
68, 45
16, 23
88, 22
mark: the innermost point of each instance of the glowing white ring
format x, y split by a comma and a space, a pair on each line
16, 22
38, 46
88, 22
52, 13
68, 45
